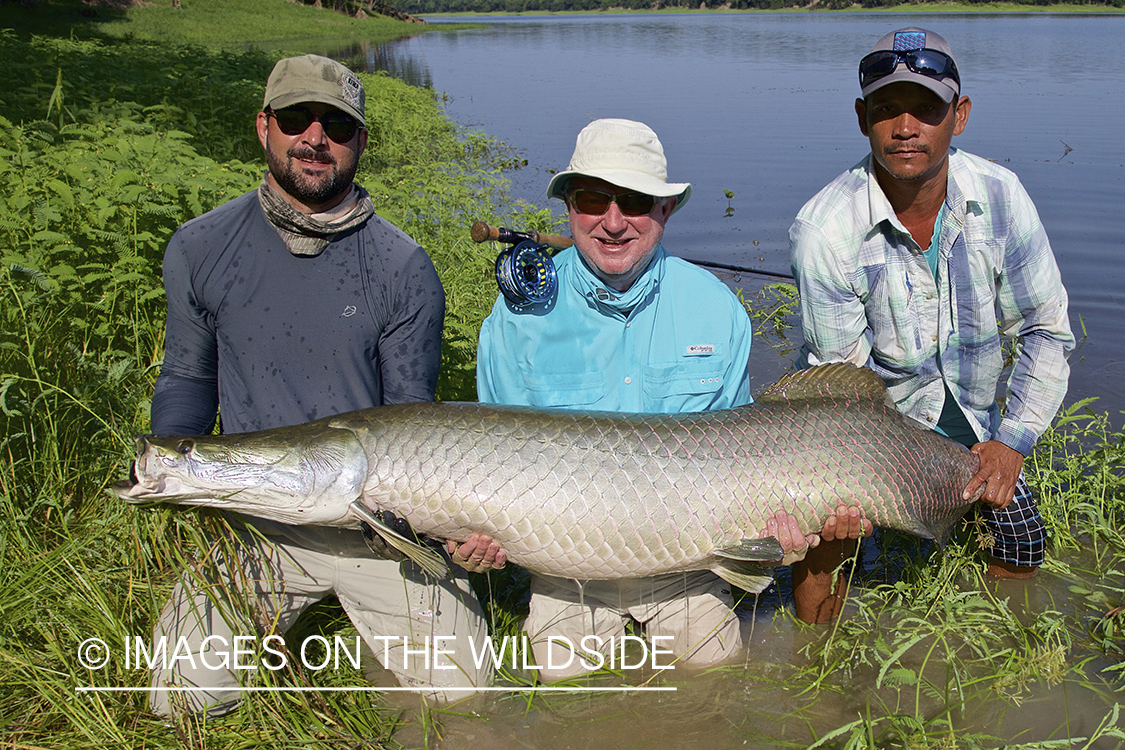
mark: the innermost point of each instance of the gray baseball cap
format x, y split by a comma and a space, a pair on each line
945, 82
312, 78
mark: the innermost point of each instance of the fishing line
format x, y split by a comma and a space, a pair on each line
525, 271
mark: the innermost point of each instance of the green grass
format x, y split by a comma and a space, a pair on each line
111, 145
274, 25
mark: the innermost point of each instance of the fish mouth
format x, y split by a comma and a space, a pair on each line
140, 488
137, 492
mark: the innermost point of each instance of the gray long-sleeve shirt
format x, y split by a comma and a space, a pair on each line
278, 339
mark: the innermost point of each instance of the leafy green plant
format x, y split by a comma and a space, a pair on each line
110, 148
774, 310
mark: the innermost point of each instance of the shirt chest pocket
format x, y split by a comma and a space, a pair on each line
690, 376
565, 389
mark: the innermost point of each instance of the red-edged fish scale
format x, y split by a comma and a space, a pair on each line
607, 496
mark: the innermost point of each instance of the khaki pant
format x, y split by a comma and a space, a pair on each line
692, 614
404, 617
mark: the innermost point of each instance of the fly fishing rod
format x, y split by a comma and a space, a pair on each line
481, 232
525, 271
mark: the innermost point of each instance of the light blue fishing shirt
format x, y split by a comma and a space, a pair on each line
869, 297
678, 340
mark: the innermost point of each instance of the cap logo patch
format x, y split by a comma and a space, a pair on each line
909, 40
351, 90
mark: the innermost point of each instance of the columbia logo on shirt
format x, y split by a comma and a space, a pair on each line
697, 349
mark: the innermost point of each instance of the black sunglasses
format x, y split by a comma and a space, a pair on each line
596, 203
927, 62
338, 126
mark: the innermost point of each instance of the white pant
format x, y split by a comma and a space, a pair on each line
692, 612
404, 617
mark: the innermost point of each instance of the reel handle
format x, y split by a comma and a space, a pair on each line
482, 232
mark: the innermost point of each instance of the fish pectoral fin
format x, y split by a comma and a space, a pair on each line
748, 576
426, 558
761, 549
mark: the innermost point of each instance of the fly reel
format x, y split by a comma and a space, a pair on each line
526, 274
525, 271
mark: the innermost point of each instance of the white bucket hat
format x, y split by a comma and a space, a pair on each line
624, 153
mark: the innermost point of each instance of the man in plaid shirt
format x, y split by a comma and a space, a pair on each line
915, 262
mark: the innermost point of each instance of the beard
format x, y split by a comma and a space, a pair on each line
305, 188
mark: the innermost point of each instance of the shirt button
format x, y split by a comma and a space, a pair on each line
628, 381
933, 338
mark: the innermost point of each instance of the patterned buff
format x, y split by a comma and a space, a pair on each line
309, 235
592, 287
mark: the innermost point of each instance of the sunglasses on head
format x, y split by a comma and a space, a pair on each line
927, 62
596, 203
338, 126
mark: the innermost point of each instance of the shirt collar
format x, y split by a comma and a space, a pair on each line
962, 195
598, 292
965, 193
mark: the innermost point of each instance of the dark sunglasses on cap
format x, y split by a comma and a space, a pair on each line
338, 126
927, 62
596, 203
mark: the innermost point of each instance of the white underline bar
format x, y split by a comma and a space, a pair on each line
435, 689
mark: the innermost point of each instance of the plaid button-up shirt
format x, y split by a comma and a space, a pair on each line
868, 297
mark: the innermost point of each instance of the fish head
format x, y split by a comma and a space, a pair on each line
290, 475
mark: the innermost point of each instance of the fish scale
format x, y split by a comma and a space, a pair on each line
670, 487
597, 495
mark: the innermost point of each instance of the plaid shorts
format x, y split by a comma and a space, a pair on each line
1018, 533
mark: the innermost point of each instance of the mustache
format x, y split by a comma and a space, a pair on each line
308, 154
916, 148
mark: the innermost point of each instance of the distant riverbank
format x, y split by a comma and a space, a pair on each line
951, 8
977, 8
270, 25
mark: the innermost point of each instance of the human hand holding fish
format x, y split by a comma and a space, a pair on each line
480, 553
477, 554
847, 523
1000, 467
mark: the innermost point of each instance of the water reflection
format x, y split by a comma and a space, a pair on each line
400, 58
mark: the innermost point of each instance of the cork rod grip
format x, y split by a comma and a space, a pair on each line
482, 232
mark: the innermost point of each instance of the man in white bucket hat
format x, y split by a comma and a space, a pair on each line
630, 329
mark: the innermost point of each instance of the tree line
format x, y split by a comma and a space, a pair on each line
415, 7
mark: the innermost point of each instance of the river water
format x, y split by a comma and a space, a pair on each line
762, 105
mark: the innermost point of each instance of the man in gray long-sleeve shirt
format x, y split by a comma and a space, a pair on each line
293, 302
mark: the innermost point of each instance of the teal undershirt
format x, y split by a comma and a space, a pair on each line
952, 423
